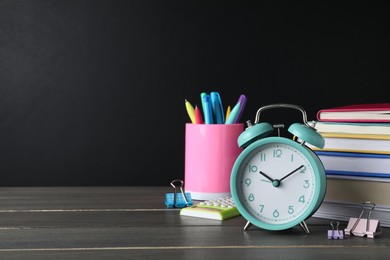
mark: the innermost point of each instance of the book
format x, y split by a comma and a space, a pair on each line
355, 164
378, 144
344, 211
356, 177
344, 198
357, 136
375, 112
352, 128
353, 191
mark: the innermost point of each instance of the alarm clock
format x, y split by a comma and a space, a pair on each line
277, 182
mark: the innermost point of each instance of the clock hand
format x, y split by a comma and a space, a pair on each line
291, 173
274, 182
265, 175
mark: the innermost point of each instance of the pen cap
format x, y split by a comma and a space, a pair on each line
210, 152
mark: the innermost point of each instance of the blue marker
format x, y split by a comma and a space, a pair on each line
216, 104
208, 113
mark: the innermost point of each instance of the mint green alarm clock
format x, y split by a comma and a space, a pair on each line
277, 182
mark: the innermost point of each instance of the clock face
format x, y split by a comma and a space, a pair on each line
277, 184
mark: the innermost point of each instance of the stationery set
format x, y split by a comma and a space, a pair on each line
212, 111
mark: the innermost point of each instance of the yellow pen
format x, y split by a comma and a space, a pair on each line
190, 110
227, 113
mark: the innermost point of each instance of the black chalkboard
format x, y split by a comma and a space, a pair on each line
92, 92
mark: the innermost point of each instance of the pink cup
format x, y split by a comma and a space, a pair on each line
210, 152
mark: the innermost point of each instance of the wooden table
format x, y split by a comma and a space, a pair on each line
133, 223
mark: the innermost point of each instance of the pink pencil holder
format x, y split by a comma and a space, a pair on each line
210, 152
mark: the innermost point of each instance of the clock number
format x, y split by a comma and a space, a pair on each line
252, 168
248, 182
303, 169
261, 208
290, 210
277, 153
275, 213
302, 199
306, 184
263, 157
251, 197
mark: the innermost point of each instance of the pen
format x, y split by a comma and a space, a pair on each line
227, 112
216, 104
198, 115
204, 106
190, 110
208, 114
242, 101
233, 114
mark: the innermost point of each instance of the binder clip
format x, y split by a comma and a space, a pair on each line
178, 200
364, 227
335, 234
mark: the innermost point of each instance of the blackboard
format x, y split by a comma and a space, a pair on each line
92, 92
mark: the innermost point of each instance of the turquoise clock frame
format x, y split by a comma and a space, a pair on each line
254, 138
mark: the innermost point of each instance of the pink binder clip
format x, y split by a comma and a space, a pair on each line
364, 227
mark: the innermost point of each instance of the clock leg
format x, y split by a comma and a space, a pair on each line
247, 226
304, 227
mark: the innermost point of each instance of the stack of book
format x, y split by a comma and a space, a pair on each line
356, 158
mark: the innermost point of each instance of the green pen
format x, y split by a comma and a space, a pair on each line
233, 114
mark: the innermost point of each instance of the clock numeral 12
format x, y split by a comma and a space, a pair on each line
277, 153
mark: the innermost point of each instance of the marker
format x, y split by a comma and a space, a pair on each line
233, 114
204, 106
227, 112
190, 110
198, 115
242, 101
216, 104
208, 113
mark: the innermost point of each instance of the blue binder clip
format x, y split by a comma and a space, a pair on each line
178, 200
